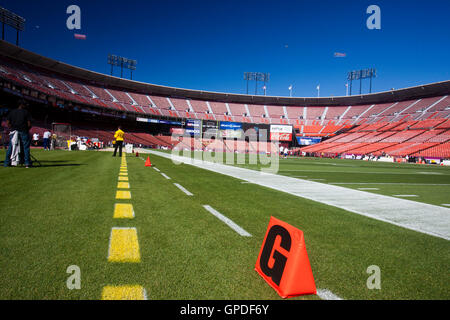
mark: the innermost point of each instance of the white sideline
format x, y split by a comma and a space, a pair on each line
393, 183
227, 221
183, 189
326, 294
421, 217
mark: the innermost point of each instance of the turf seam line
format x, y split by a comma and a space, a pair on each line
227, 221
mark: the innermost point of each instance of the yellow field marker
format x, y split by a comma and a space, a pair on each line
123, 211
134, 292
123, 173
124, 245
123, 185
123, 178
123, 195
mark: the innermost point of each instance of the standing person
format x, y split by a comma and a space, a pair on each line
53, 141
46, 143
19, 120
35, 139
119, 141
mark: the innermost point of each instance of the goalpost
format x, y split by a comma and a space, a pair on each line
63, 132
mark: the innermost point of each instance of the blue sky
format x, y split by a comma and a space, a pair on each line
208, 45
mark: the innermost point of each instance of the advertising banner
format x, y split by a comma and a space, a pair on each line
139, 119
280, 132
257, 132
225, 125
179, 131
194, 127
231, 134
306, 141
230, 130
210, 128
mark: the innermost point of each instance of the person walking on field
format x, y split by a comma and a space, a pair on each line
118, 136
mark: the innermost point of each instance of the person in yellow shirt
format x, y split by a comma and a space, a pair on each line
118, 136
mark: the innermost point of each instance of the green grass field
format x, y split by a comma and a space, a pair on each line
61, 214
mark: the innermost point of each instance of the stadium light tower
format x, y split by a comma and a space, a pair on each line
257, 76
13, 20
360, 75
122, 62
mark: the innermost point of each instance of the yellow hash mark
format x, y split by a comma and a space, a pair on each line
123, 195
124, 245
123, 211
123, 178
134, 292
123, 185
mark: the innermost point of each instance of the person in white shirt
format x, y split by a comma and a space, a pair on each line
47, 136
35, 139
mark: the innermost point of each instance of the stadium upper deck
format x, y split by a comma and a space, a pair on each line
44, 77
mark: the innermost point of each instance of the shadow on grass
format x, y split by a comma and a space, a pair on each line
44, 165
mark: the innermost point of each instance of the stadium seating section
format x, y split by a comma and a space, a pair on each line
417, 127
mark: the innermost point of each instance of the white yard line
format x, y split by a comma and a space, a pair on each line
165, 176
183, 189
227, 221
421, 217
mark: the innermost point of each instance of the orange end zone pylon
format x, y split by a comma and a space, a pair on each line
283, 261
148, 163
